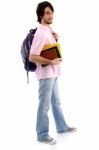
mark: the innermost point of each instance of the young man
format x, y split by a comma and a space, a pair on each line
47, 76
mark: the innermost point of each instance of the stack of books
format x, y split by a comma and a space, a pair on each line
51, 51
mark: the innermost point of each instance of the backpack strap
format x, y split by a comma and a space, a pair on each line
27, 76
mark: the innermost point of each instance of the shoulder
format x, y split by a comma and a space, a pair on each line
40, 32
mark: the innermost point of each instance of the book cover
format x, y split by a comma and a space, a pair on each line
51, 51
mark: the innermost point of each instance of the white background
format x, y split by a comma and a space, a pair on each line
77, 23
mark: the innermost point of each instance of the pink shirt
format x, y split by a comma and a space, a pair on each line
42, 37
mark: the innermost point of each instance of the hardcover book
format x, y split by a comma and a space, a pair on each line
51, 51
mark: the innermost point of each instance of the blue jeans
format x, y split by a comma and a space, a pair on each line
48, 94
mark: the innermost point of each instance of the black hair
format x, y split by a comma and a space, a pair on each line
41, 8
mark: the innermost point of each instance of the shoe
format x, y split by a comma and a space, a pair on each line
49, 141
71, 129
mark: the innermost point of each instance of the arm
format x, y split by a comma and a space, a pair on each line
39, 59
42, 60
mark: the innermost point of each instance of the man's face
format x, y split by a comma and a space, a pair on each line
48, 16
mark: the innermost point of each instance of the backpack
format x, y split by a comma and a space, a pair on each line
25, 51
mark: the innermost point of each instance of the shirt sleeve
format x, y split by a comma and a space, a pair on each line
37, 44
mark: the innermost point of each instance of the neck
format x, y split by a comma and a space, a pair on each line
45, 24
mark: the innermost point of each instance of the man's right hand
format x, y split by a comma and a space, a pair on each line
56, 61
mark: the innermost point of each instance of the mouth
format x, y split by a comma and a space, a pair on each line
50, 20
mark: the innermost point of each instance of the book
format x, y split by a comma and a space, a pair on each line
51, 52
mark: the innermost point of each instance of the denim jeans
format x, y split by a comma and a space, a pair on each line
48, 94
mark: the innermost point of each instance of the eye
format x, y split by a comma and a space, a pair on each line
48, 13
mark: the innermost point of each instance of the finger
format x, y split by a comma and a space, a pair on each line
60, 59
